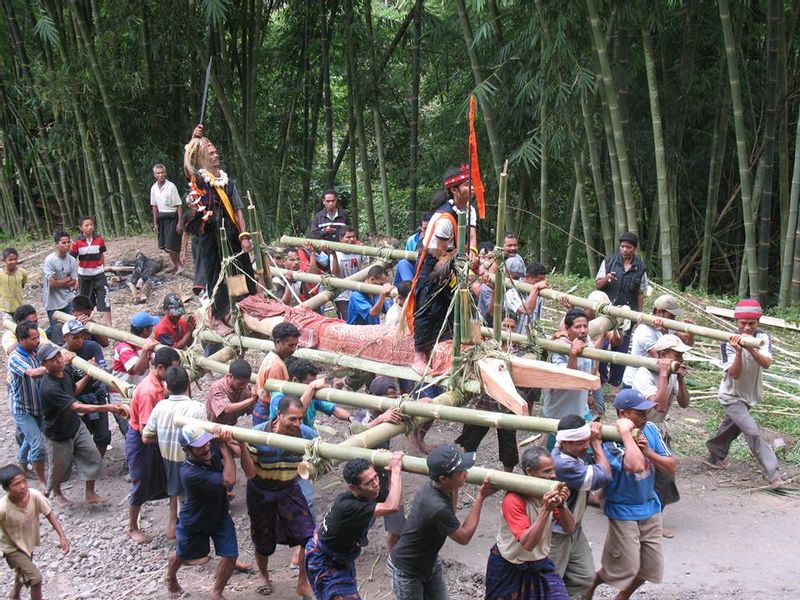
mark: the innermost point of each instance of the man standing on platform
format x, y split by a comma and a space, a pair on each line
623, 277
167, 216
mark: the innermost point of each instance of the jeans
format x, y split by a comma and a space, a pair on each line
32, 447
53, 330
431, 587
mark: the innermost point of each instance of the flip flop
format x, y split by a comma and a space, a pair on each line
265, 589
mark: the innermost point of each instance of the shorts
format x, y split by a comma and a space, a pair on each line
193, 545
96, 289
23, 567
632, 549
172, 471
168, 238
81, 451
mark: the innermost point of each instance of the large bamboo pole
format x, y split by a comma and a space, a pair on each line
333, 358
126, 389
387, 252
522, 484
336, 282
499, 291
603, 309
322, 297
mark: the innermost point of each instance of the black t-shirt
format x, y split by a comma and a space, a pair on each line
61, 423
205, 503
431, 520
347, 521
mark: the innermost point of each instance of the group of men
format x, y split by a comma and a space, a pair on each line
61, 414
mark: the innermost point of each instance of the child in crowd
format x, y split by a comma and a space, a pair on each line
12, 280
19, 529
89, 249
60, 283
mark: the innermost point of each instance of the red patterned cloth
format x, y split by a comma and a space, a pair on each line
373, 342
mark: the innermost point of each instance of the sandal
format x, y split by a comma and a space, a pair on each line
265, 589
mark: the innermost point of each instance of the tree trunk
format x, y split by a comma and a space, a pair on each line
790, 270
597, 177
586, 219
573, 223
413, 125
741, 146
544, 216
326, 95
664, 221
616, 117
620, 217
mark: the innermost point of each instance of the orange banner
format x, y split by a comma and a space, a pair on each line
475, 170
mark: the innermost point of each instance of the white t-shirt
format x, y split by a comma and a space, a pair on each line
349, 264
560, 403
166, 197
748, 388
443, 228
514, 301
646, 383
54, 266
162, 423
644, 337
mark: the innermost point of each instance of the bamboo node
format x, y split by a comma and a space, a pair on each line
313, 464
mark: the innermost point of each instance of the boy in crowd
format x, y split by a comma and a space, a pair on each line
60, 283
82, 310
331, 553
173, 329
395, 313
19, 529
89, 249
345, 264
145, 467
231, 396
632, 553
365, 309
207, 473
12, 279
68, 440
25, 312
740, 389
525, 308
414, 566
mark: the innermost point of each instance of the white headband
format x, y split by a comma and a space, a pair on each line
583, 432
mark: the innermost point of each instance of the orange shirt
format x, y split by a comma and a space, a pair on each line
272, 367
147, 394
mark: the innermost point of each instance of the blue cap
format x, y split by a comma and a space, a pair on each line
144, 319
194, 435
630, 399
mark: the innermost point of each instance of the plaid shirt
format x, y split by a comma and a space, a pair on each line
23, 391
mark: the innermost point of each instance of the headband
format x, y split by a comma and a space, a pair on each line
583, 432
458, 178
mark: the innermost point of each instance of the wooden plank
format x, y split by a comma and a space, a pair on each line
771, 321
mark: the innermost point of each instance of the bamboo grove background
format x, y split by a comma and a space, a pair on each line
675, 119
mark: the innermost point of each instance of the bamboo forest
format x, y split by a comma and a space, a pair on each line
674, 119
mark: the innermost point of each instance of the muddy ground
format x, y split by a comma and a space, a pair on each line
732, 539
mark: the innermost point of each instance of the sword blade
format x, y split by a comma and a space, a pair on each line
205, 90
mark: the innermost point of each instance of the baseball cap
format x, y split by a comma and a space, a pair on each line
47, 351
72, 326
630, 399
447, 459
144, 319
670, 342
669, 303
194, 435
173, 305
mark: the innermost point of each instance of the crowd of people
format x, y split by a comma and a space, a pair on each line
61, 412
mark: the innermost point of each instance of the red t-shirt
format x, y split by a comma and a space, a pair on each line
169, 333
147, 394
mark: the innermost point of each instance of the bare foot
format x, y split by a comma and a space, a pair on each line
419, 365
197, 561
667, 533
242, 566
62, 500
417, 444
777, 482
305, 591
138, 536
173, 588
216, 596
96, 499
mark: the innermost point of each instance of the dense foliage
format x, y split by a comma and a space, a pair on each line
672, 118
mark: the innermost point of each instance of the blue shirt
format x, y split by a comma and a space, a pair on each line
580, 479
205, 504
358, 308
404, 271
412, 242
322, 406
23, 391
632, 496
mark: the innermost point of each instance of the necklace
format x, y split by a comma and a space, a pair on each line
213, 181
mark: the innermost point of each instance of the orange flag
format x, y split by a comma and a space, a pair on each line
475, 170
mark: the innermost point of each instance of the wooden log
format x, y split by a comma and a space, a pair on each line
522, 484
499, 385
124, 388
539, 374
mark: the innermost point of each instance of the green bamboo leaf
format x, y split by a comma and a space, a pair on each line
45, 29
216, 10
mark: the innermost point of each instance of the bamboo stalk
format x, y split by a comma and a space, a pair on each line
385, 252
262, 266
457, 324
497, 315
126, 389
337, 282
322, 297
522, 484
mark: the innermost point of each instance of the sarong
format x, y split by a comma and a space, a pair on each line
168, 238
432, 303
145, 469
535, 580
331, 573
278, 517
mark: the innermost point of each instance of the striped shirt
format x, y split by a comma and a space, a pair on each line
23, 391
160, 423
89, 255
276, 468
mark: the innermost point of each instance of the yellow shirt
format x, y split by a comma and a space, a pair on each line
11, 289
19, 527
